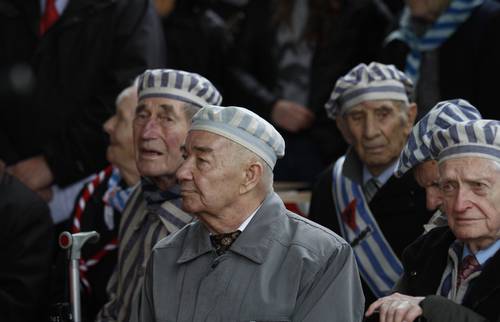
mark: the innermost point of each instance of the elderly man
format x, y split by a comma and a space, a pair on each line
438, 37
246, 258
167, 100
451, 273
100, 204
358, 196
416, 153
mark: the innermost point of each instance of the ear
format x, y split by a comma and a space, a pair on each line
344, 129
252, 176
412, 115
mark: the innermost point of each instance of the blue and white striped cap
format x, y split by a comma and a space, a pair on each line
441, 116
366, 83
243, 127
179, 85
479, 138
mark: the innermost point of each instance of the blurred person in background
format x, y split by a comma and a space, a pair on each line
437, 38
82, 53
285, 60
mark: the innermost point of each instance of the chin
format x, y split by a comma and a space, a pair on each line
189, 207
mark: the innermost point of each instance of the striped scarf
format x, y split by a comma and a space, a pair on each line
448, 22
115, 196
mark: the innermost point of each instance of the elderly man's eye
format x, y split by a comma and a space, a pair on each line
447, 187
479, 186
356, 117
141, 117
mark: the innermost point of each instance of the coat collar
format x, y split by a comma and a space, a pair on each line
253, 243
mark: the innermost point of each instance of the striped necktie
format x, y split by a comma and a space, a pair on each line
468, 266
370, 188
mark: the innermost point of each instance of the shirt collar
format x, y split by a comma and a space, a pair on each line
60, 6
383, 177
247, 221
484, 254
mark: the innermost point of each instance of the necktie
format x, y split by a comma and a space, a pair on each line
222, 242
49, 16
469, 265
370, 188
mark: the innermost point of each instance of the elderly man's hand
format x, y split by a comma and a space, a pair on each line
291, 116
397, 308
33, 172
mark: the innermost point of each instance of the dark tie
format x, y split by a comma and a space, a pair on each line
468, 266
370, 188
222, 242
50, 16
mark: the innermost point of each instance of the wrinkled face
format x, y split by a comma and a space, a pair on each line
377, 132
427, 9
211, 174
160, 127
120, 150
427, 176
471, 198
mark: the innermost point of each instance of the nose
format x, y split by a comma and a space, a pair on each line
461, 202
433, 198
371, 127
184, 172
109, 125
150, 129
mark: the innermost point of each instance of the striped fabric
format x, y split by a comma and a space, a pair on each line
115, 196
364, 83
378, 265
479, 138
179, 85
450, 286
243, 127
448, 22
140, 230
441, 116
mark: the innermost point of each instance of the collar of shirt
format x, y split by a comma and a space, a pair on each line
484, 254
60, 6
247, 221
383, 177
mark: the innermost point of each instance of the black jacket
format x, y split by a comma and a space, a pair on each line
398, 207
468, 61
26, 243
424, 262
84, 60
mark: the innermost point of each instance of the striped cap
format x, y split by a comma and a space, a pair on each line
243, 127
479, 138
179, 85
366, 83
441, 116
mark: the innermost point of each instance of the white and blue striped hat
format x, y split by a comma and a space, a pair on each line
179, 85
365, 83
441, 116
479, 138
243, 127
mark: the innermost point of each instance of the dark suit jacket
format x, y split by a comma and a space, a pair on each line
398, 208
424, 263
26, 238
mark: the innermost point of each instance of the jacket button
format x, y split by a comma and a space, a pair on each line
413, 273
